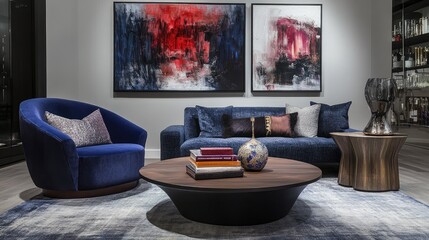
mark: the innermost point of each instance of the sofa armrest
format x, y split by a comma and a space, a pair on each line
171, 139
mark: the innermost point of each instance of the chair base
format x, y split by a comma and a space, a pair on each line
90, 193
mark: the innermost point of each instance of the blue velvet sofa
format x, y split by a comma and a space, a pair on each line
63, 170
177, 140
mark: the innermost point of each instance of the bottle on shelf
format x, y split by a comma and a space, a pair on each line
417, 110
416, 26
424, 111
401, 113
409, 58
397, 59
408, 110
413, 110
397, 32
425, 57
425, 25
420, 55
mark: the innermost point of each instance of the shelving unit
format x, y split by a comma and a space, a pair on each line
22, 68
410, 62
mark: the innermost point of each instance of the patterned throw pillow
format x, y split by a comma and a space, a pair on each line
268, 126
91, 130
210, 120
333, 118
307, 122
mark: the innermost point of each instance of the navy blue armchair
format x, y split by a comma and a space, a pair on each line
63, 170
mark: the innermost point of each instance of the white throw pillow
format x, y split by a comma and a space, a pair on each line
308, 120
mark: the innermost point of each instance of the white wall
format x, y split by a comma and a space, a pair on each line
80, 63
381, 32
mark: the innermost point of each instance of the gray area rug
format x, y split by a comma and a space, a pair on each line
324, 210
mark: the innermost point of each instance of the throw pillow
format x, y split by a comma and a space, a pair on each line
268, 126
91, 130
210, 120
281, 126
333, 118
242, 127
307, 121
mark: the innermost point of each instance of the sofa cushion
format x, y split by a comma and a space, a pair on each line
91, 130
109, 164
333, 118
307, 120
210, 120
311, 150
191, 123
196, 143
263, 126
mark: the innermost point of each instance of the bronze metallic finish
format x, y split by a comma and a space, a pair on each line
346, 172
371, 162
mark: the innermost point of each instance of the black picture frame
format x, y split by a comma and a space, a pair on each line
196, 47
286, 48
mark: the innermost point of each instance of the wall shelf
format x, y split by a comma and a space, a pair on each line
420, 39
413, 99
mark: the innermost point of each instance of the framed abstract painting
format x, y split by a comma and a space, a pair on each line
179, 47
286, 47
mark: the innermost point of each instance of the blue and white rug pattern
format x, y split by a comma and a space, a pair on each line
324, 210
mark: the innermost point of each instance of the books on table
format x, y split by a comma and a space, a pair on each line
197, 155
210, 163
216, 151
215, 163
199, 174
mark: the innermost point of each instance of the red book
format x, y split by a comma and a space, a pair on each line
197, 156
216, 151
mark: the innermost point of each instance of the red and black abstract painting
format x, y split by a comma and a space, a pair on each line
179, 47
286, 47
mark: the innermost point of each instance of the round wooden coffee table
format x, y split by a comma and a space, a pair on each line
258, 197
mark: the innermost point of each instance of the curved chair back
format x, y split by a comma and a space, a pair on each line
51, 155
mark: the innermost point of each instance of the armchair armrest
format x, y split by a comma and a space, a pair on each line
123, 131
51, 155
172, 138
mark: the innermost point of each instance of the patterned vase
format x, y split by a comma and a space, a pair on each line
253, 154
379, 94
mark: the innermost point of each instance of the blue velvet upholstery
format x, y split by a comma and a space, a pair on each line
54, 161
177, 140
210, 120
333, 118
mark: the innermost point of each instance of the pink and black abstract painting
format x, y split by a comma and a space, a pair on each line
179, 47
286, 47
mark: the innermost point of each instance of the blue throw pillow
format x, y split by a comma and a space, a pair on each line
333, 118
210, 120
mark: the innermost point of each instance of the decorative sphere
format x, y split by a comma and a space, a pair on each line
253, 155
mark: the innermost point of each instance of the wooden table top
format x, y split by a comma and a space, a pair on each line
362, 135
278, 173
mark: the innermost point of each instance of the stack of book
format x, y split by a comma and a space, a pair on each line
213, 162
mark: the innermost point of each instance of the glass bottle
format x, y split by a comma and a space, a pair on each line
411, 112
416, 110
423, 111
